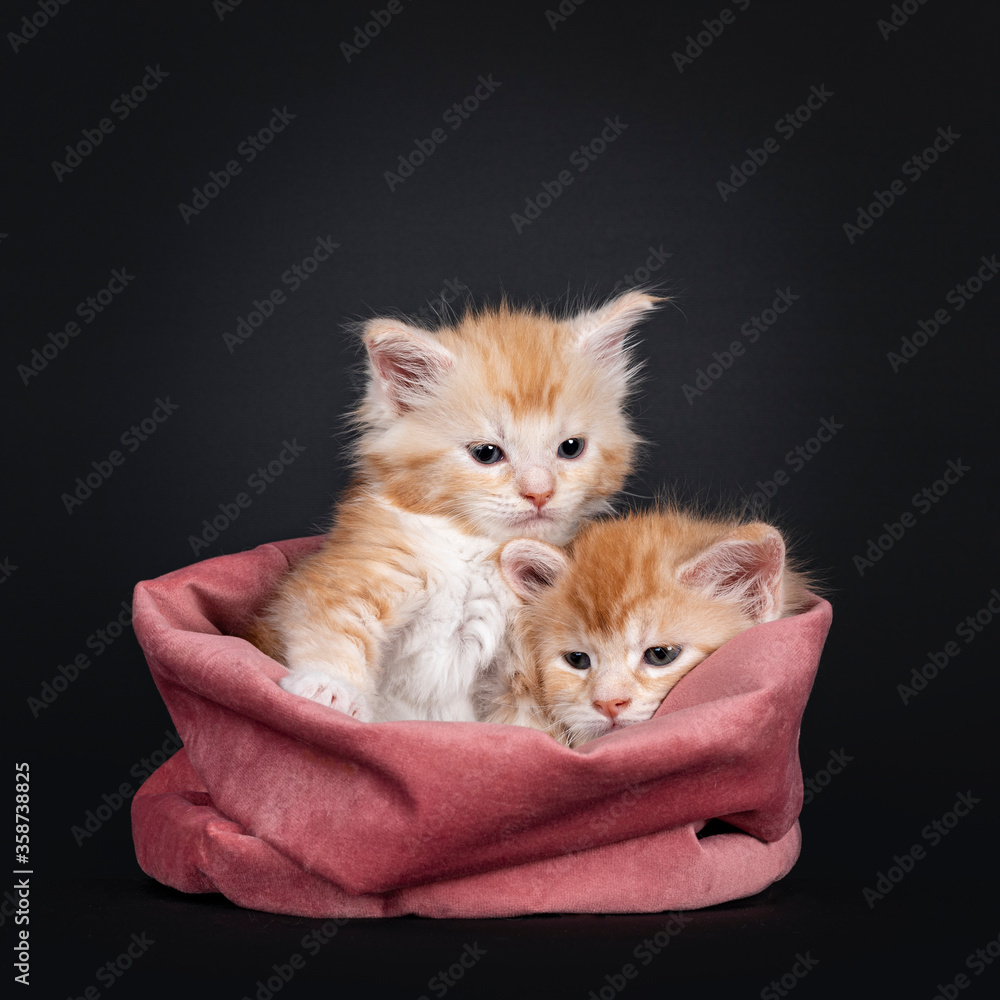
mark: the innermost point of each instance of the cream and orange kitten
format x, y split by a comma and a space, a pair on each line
508, 423
609, 625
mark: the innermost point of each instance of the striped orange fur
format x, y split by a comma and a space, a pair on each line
403, 607
666, 579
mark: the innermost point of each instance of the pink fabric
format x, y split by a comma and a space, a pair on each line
287, 806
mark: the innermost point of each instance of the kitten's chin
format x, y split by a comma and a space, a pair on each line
552, 528
593, 728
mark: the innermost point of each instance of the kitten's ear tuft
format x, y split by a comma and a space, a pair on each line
530, 567
407, 363
602, 332
746, 566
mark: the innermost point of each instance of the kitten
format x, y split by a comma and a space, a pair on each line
508, 423
610, 625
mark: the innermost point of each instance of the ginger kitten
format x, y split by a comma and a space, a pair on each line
608, 626
508, 423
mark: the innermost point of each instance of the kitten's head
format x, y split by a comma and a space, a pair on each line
610, 625
510, 422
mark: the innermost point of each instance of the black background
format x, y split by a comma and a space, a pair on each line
655, 186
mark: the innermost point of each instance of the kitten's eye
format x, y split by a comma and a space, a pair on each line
660, 656
571, 448
578, 660
486, 454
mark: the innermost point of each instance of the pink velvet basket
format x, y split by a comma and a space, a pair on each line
288, 806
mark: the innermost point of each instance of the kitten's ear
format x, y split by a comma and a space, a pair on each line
746, 566
602, 332
407, 363
530, 566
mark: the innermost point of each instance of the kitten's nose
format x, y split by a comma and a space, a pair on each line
539, 498
613, 707
537, 486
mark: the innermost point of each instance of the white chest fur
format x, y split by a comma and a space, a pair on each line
455, 629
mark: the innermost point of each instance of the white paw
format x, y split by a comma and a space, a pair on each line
325, 689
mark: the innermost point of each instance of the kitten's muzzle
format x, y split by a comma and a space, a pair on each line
612, 707
537, 485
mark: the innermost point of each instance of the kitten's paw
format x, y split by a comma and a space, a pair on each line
323, 688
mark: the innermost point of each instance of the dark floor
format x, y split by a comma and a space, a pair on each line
816, 939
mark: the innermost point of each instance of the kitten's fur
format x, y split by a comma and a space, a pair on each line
404, 607
626, 585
